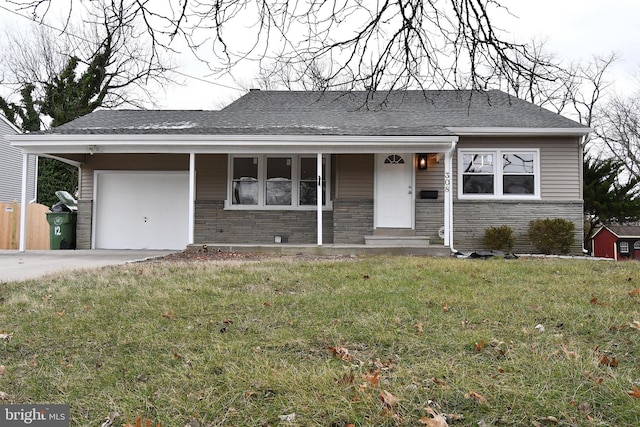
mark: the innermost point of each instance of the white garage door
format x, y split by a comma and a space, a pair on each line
141, 210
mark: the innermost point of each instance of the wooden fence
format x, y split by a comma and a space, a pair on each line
37, 226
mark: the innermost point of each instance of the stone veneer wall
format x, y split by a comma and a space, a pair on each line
83, 224
472, 217
429, 218
216, 225
352, 220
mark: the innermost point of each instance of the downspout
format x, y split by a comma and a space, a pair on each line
582, 144
448, 179
35, 181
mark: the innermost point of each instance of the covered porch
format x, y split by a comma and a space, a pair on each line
208, 203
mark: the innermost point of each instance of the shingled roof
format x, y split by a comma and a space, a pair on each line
411, 113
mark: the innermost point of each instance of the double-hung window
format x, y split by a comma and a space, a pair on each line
276, 182
499, 173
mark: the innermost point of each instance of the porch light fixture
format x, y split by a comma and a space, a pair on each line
423, 161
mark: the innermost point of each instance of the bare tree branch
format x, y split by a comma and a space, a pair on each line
375, 44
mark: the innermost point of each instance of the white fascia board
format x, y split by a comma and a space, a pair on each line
495, 131
67, 144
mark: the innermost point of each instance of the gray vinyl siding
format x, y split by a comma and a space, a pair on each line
560, 162
133, 162
11, 161
354, 176
211, 177
431, 179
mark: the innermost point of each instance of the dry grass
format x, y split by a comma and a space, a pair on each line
376, 341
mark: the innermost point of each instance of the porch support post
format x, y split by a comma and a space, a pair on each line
319, 198
23, 203
448, 197
192, 196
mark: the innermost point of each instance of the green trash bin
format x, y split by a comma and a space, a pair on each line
62, 222
62, 230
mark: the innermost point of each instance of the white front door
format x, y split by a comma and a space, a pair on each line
394, 191
141, 210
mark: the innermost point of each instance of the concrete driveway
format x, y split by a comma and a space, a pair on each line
17, 266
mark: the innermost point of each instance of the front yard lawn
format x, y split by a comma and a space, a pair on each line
379, 341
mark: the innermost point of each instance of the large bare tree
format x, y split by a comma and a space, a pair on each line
619, 129
57, 74
373, 44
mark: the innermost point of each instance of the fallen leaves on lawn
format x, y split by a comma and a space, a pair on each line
372, 378
592, 377
387, 365
548, 419
419, 328
570, 355
3, 395
388, 399
341, 353
436, 419
635, 325
147, 423
439, 381
169, 315
3, 370
446, 308
479, 346
595, 301
477, 397
607, 361
635, 392
6, 337
635, 292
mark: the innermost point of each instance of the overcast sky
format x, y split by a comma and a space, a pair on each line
574, 30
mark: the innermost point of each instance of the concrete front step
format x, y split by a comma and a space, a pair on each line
396, 241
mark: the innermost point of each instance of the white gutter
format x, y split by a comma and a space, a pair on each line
224, 144
518, 131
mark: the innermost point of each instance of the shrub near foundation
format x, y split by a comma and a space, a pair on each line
499, 238
552, 235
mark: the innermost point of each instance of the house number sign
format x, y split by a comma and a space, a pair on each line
447, 182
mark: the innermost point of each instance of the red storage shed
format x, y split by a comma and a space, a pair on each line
620, 242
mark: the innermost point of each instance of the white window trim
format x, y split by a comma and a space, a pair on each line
497, 173
262, 176
624, 247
